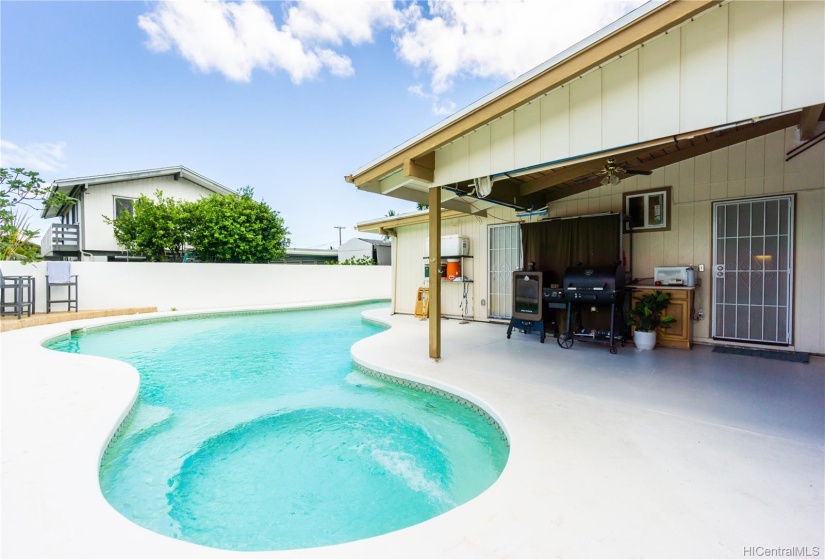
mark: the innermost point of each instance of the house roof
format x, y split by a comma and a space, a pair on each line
355, 241
382, 226
407, 172
376, 242
646, 22
176, 171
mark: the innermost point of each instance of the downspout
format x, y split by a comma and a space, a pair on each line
81, 218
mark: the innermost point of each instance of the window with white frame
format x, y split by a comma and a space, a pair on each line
649, 210
124, 205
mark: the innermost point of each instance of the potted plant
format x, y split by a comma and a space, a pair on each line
648, 315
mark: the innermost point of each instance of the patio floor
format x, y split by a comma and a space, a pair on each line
669, 453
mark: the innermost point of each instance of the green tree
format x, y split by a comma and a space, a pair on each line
219, 229
237, 229
390, 214
354, 261
21, 190
16, 240
159, 230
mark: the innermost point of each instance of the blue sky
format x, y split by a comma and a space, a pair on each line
287, 97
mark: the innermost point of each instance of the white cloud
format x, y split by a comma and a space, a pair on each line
338, 65
40, 156
453, 39
337, 21
234, 39
495, 38
440, 106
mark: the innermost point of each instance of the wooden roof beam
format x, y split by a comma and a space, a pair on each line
742, 134
422, 168
811, 116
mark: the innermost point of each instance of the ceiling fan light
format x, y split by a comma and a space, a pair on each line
605, 180
614, 180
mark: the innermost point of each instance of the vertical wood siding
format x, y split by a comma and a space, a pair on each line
737, 61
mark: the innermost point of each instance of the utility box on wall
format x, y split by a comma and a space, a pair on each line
451, 246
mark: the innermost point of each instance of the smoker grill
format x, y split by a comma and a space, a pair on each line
593, 286
527, 303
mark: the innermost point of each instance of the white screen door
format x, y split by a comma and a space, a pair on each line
504, 242
753, 270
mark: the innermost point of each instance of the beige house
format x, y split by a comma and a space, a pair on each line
84, 234
700, 120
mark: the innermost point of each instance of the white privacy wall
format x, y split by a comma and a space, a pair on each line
734, 62
209, 286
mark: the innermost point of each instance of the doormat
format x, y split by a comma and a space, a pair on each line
801, 357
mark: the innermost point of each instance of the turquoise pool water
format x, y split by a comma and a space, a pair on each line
255, 432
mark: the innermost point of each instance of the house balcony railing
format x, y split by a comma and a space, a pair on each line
60, 239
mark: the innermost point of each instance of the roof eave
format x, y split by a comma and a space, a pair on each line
185, 172
647, 21
380, 225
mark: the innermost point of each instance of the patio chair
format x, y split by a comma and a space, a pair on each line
59, 273
22, 289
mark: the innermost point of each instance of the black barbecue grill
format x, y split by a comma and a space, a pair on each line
593, 286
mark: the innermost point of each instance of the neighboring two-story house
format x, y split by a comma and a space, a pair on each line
83, 232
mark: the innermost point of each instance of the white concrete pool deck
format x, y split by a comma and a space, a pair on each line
662, 454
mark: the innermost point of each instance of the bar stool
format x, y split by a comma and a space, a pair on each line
59, 273
23, 298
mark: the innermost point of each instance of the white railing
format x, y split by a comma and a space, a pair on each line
60, 238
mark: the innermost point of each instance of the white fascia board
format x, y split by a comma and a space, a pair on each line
198, 179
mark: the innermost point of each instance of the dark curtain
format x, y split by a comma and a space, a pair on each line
553, 245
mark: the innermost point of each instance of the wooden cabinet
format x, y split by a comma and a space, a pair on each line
680, 333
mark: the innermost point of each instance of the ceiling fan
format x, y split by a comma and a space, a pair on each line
611, 172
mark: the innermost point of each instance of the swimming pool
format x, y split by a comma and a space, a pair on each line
255, 432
